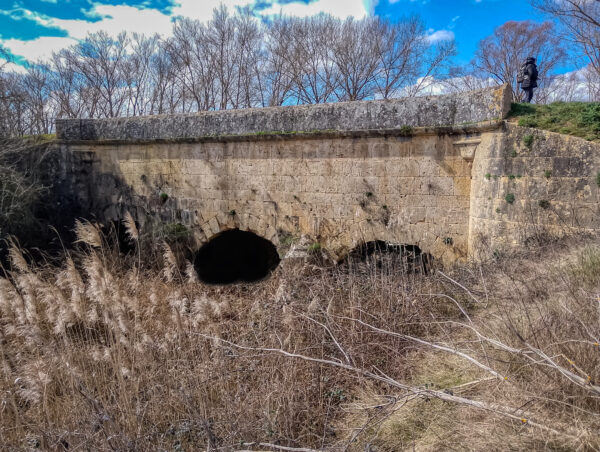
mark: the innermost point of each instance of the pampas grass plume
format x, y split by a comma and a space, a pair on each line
87, 233
130, 227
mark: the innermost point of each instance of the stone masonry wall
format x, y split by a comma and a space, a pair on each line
553, 179
338, 191
341, 174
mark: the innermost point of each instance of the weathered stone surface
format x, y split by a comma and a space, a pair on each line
433, 111
554, 184
444, 191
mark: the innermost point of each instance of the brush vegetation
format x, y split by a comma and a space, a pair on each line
580, 119
103, 353
20, 188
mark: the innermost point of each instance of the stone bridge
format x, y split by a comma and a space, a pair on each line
444, 173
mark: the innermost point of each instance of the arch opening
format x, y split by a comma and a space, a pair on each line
391, 256
236, 256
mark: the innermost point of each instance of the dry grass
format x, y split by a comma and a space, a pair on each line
104, 355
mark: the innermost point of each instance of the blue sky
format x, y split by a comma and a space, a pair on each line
32, 29
469, 20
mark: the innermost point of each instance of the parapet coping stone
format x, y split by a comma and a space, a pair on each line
400, 117
404, 133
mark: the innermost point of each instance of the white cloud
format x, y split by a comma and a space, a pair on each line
117, 18
338, 8
439, 35
37, 49
202, 9
11, 67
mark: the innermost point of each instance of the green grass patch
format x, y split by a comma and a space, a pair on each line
314, 248
175, 231
406, 131
286, 239
580, 119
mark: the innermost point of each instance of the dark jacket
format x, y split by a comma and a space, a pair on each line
528, 75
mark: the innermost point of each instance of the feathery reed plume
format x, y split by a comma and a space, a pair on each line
170, 262
53, 300
11, 301
7, 291
190, 272
26, 284
97, 288
16, 258
70, 278
201, 311
87, 233
130, 227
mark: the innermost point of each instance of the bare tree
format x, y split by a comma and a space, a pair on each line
36, 84
434, 62
232, 61
314, 74
592, 81
356, 51
100, 59
275, 77
67, 87
189, 51
466, 78
167, 91
500, 55
408, 60
581, 24
137, 74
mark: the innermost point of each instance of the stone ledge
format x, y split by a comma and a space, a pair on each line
399, 115
466, 129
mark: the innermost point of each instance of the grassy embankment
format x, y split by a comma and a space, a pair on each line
102, 354
580, 119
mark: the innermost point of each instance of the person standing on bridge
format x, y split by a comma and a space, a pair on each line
527, 77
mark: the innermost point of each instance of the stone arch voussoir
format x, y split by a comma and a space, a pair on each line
221, 222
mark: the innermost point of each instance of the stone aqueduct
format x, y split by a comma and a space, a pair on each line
445, 173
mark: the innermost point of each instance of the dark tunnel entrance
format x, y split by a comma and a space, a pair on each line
236, 256
394, 257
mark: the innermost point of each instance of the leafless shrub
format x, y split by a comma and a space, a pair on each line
19, 189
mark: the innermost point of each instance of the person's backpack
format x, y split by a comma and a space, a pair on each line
521, 74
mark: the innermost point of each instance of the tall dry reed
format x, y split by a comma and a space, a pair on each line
102, 354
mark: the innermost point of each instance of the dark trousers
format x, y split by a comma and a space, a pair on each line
528, 94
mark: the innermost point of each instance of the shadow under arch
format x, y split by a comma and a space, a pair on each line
233, 256
406, 258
